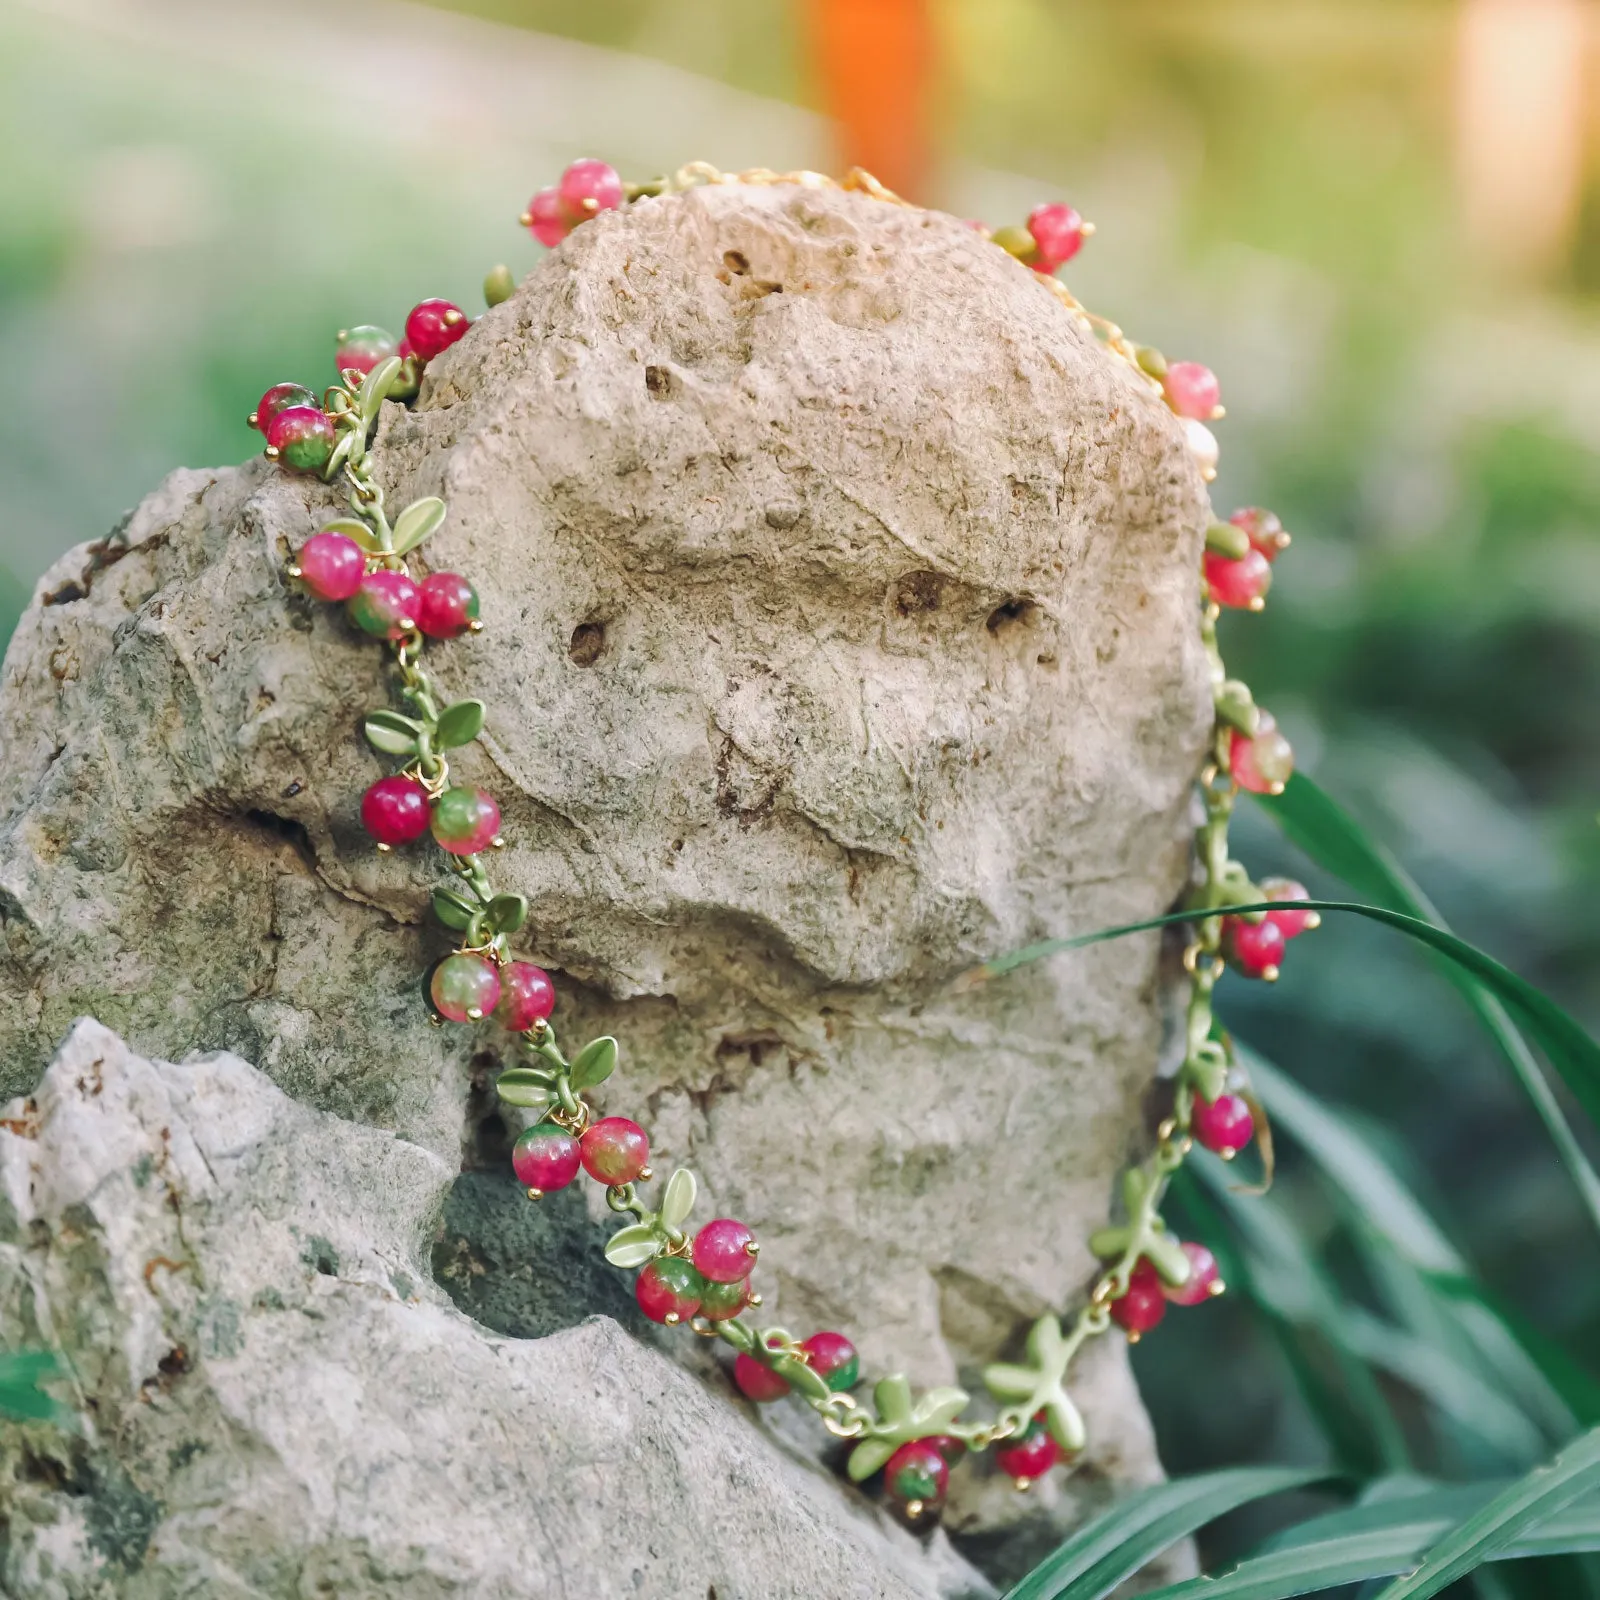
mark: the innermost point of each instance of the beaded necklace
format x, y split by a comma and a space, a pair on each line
702, 1279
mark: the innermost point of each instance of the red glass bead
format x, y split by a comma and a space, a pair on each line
303, 437
615, 1150
465, 821
1192, 390
1224, 1125
1030, 1455
433, 326
527, 996
447, 607
719, 1301
547, 218
545, 1158
589, 186
757, 1381
279, 398
1240, 584
1144, 1305
1058, 231
668, 1288
1291, 924
1255, 948
395, 810
384, 605
361, 349
722, 1250
465, 988
331, 566
1203, 1281
1263, 529
950, 1447
916, 1476
1264, 764
833, 1358
404, 350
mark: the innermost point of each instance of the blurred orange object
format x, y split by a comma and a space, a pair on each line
874, 59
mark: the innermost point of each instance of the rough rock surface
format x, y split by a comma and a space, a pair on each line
277, 1402
839, 595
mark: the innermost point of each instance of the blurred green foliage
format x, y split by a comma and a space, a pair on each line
1277, 192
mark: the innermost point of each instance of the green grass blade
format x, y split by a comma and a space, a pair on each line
1386, 1537
1330, 836
1119, 1542
1514, 1511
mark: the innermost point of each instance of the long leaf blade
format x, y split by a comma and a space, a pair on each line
1312, 819
1122, 1540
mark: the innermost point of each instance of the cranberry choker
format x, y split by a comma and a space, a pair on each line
702, 1278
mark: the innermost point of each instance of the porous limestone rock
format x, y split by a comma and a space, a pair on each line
839, 594
276, 1402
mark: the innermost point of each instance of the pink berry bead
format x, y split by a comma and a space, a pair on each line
465, 821
396, 810
433, 326
757, 1381
527, 996
1192, 390
1203, 1281
279, 398
1254, 948
719, 1301
1264, 764
1291, 924
331, 566
950, 1447
1224, 1125
301, 438
615, 1150
384, 605
916, 1477
668, 1288
545, 1158
1263, 529
546, 218
1030, 1455
448, 606
589, 186
833, 1358
1058, 231
361, 349
1143, 1306
1240, 584
723, 1250
465, 988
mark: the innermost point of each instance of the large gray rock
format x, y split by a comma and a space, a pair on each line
840, 595
275, 1401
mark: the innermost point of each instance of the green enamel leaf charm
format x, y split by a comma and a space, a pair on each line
679, 1199
632, 1247
452, 909
525, 1087
506, 913
354, 528
416, 522
458, 724
376, 385
1039, 1385
392, 733
595, 1063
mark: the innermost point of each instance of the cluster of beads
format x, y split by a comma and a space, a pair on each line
704, 1279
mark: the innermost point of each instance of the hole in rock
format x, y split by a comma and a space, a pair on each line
736, 261
660, 382
527, 1268
1023, 613
588, 640
917, 592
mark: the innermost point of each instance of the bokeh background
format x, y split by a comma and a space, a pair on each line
1379, 220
